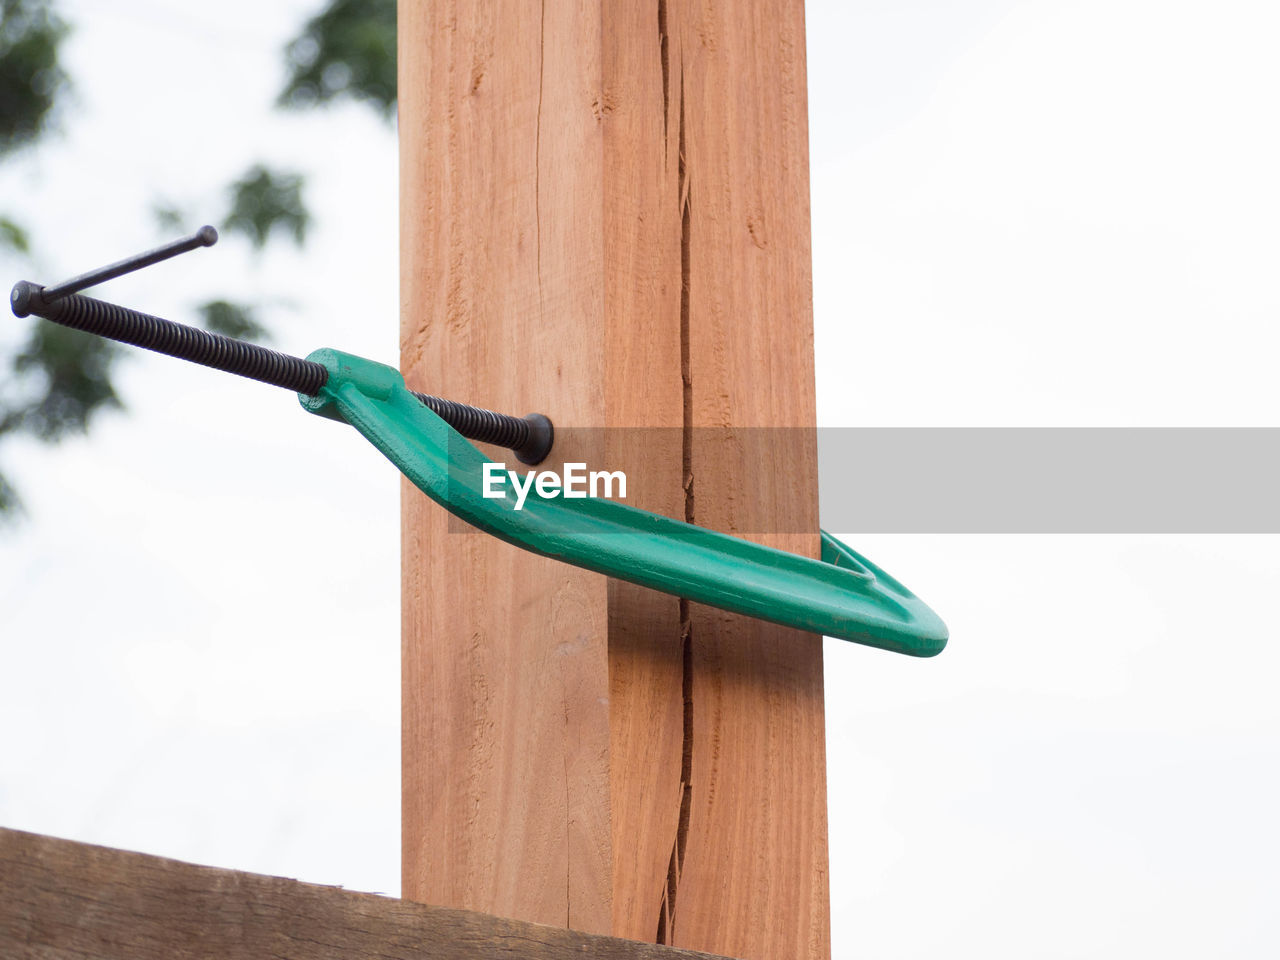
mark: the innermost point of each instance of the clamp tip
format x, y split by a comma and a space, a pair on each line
21, 296
542, 436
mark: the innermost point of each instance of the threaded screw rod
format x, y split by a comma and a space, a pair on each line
530, 438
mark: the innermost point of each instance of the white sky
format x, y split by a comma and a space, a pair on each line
1025, 213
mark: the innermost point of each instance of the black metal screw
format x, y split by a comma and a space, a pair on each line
530, 437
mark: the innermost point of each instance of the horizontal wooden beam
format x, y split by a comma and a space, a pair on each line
60, 899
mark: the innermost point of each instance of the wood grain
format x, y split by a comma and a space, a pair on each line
61, 900
757, 846
505, 665
644, 415
605, 219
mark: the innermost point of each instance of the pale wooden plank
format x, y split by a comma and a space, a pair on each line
61, 900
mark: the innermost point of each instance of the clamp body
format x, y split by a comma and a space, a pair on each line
842, 595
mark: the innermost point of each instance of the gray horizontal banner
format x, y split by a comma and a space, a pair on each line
937, 480
1050, 480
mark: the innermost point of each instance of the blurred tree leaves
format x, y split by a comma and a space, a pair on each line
348, 50
14, 236
169, 217
237, 320
62, 378
69, 373
31, 78
9, 502
75, 370
263, 200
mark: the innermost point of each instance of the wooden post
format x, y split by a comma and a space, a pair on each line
605, 218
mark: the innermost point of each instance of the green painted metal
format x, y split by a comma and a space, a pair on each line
842, 595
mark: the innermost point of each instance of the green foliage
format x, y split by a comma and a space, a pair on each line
30, 76
169, 217
64, 377
31, 80
14, 236
73, 374
10, 504
263, 200
232, 320
66, 381
348, 50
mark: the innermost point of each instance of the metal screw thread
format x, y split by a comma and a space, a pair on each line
529, 437
482, 425
177, 340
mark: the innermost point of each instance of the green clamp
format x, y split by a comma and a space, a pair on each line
842, 595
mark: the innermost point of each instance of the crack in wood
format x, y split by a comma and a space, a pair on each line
664, 50
568, 815
537, 152
667, 910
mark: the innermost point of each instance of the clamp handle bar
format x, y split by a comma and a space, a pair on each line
206, 236
530, 437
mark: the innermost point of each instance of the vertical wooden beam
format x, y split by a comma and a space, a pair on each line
605, 218
505, 663
756, 860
